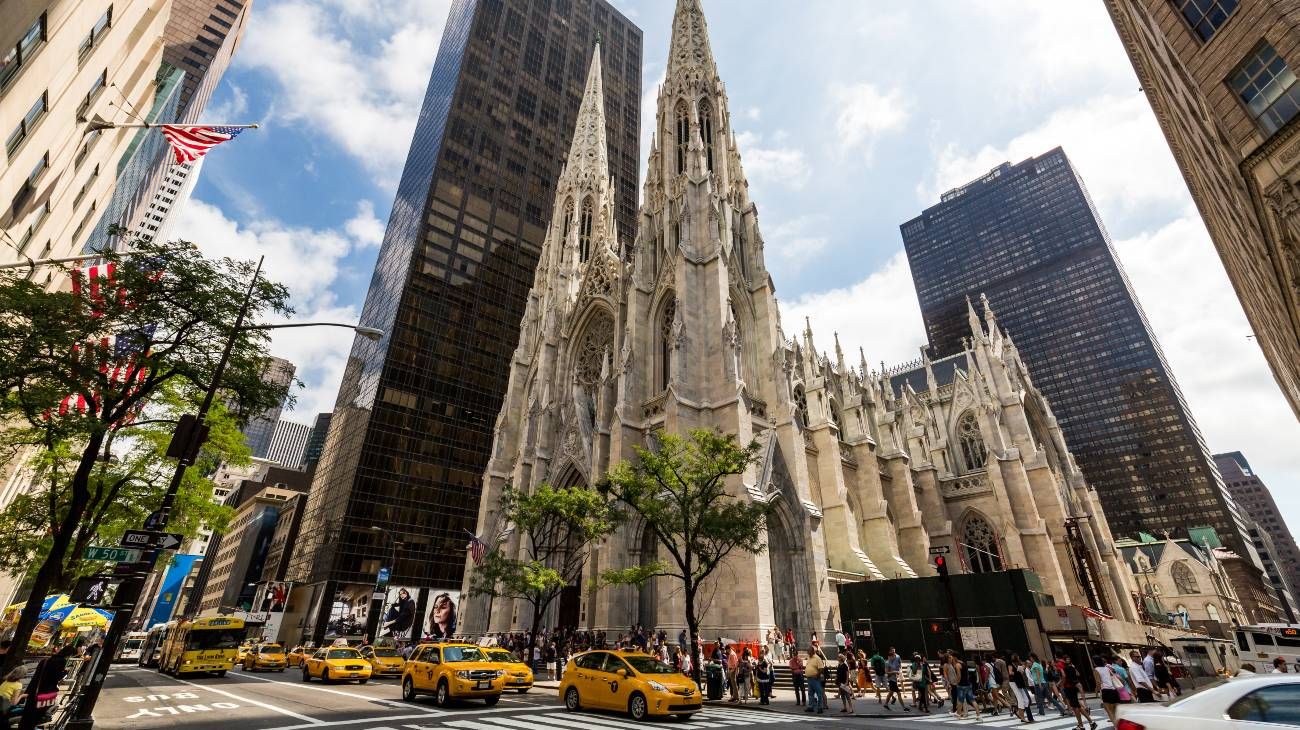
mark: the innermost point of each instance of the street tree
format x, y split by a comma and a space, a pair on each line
556, 529
681, 491
79, 367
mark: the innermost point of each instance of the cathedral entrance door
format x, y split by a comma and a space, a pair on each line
570, 606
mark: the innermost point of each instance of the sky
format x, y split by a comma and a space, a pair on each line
852, 116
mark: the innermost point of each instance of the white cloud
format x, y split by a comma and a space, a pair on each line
772, 163
307, 262
231, 110
793, 243
1203, 332
866, 114
363, 99
1114, 142
880, 314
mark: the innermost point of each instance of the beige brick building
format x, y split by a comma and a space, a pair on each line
867, 470
1220, 75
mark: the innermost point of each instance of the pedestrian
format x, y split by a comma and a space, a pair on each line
921, 683
1108, 683
843, 674
1000, 683
1279, 666
797, 678
815, 673
840, 643
1042, 681
1072, 689
764, 676
745, 677
951, 671
685, 663
879, 675
893, 668
11, 692
733, 665
43, 688
1019, 684
1126, 689
1165, 683
789, 642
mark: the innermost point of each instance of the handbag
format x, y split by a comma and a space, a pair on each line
46, 699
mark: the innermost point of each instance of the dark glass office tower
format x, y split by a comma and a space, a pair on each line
1029, 237
402, 467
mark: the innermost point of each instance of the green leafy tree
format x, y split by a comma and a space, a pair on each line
680, 490
556, 528
159, 327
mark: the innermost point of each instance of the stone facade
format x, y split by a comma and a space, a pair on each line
867, 470
1181, 577
1239, 150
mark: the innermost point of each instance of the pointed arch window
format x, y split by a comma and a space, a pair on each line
971, 443
568, 217
800, 407
980, 545
706, 131
683, 135
833, 413
584, 231
666, 342
738, 243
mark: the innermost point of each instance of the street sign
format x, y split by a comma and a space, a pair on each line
940, 550
117, 555
151, 540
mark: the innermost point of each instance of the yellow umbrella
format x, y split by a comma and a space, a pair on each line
83, 617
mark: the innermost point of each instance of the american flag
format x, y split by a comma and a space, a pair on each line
477, 549
191, 143
91, 283
118, 357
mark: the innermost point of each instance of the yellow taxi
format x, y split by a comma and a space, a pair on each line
243, 651
298, 655
384, 660
630, 682
265, 656
518, 676
336, 663
452, 671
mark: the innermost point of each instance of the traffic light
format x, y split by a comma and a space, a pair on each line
941, 567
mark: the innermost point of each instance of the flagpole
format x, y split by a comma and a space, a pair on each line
99, 122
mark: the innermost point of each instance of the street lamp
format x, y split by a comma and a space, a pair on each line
372, 622
194, 438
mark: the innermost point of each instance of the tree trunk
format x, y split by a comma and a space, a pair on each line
51, 570
693, 632
532, 635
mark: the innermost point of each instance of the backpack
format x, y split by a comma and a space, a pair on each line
997, 674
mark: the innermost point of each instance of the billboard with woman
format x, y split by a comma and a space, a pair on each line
440, 623
399, 614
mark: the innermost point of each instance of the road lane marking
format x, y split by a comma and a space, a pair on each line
353, 695
311, 721
452, 713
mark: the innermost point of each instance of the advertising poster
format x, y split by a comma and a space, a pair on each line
169, 590
441, 620
398, 618
269, 603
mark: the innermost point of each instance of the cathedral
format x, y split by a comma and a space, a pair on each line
867, 470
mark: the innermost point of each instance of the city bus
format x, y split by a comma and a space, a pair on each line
206, 644
1262, 643
153, 643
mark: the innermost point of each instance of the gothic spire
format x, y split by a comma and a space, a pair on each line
689, 48
589, 152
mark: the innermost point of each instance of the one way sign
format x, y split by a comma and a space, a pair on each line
155, 540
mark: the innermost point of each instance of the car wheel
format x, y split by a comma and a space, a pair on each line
492, 700
408, 689
636, 706
281, 669
325, 676
522, 690
306, 677
571, 702
222, 673
443, 697
363, 680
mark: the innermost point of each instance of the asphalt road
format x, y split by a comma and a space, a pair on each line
143, 699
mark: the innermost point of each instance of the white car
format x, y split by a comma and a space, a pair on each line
1248, 702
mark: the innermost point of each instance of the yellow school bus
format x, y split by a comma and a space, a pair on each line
206, 644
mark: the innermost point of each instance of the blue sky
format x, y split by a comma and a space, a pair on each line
852, 115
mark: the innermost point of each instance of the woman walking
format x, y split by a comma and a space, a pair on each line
763, 675
843, 673
1020, 689
745, 677
797, 679
921, 683
1108, 683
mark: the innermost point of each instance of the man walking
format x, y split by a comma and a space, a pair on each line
878, 671
733, 666
815, 672
1137, 674
951, 671
1042, 689
893, 667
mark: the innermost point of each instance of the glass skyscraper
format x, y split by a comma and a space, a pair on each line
402, 467
1029, 237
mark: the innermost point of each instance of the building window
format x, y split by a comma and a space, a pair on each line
800, 407
1205, 16
17, 56
980, 544
96, 34
1183, 578
568, 219
683, 135
88, 142
1267, 86
584, 231
1213, 611
29, 122
706, 131
666, 342
973, 453
28, 187
84, 108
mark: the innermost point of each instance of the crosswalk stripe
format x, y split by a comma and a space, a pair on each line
738, 714
986, 720
471, 725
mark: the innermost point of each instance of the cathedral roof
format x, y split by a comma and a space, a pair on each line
913, 373
589, 152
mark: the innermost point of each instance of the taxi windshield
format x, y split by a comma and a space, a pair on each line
343, 654
502, 656
462, 654
387, 652
272, 650
648, 665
